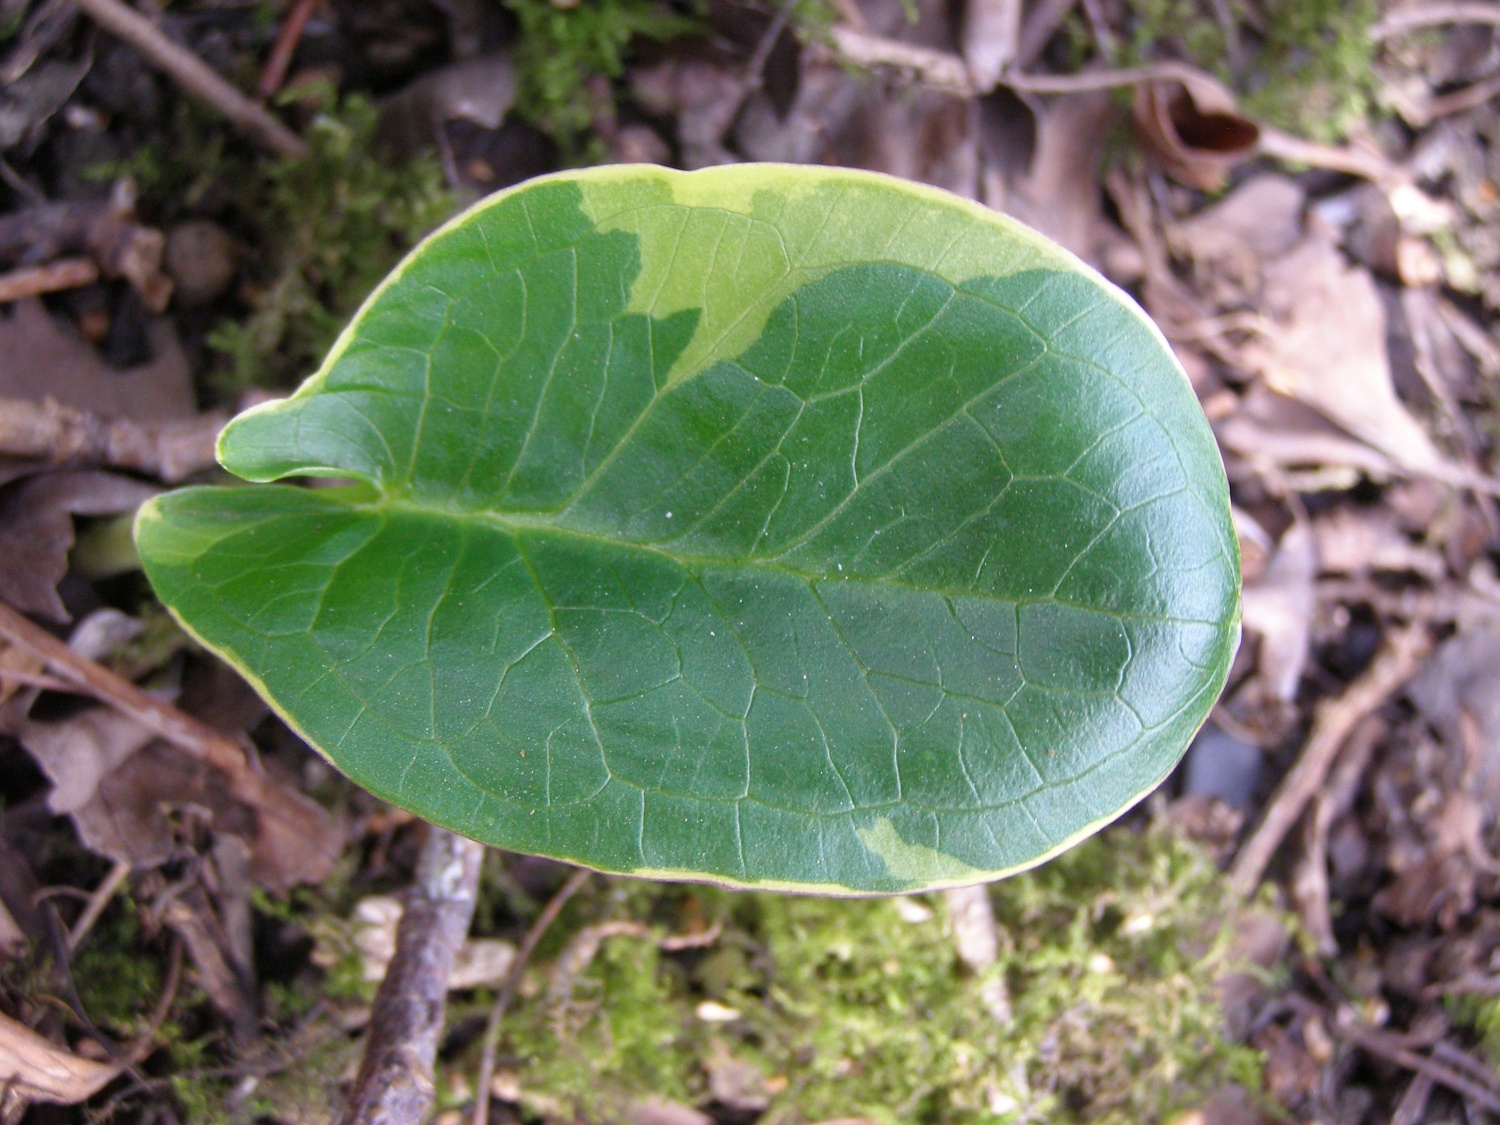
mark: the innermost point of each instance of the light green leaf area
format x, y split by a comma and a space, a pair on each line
782, 527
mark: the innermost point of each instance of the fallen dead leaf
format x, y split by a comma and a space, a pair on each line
1328, 350
36, 530
1276, 435
1227, 245
33, 1069
1279, 608
1059, 191
78, 753
122, 789
1195, 129
1359, 540
40, 358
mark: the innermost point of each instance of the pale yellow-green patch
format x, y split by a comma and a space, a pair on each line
917, 862
676, 875
735, 241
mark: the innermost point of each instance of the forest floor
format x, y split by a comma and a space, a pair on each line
1302, 924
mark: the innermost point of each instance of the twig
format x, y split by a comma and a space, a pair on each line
512, 983
1350, 161
177, 727
1446, 105
1417, 16
942, 70
54, 277
61, 434
1333, 722
285, 47
194, 75
394, 1084
1389, 1047
97, 901
1310, 878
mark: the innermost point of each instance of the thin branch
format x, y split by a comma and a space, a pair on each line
1333, 722
1389, 1047
194, 75
394, 1084
62, 434
54, 277
512, 982
279, 61
97, 901
1416, 16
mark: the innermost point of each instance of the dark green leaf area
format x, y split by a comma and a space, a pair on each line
497, 371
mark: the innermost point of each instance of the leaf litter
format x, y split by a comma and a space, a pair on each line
1335, 316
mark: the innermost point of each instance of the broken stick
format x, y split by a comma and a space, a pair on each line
1334, 721
194, 75
394, 1084
60, 434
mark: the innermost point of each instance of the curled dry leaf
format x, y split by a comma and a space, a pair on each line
36, 530
1195, 128
1327, 349
1279, 608
33, 1069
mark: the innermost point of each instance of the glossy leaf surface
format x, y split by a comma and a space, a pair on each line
778, 526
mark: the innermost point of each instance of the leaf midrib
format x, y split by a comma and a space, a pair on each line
519, 523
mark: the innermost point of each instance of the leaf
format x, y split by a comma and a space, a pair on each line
786, 527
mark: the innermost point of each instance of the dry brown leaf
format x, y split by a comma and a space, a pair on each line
121, 786
41, 358
36, 530
33, 1069
1280, 609
1059, 193
1358, 540
1274, 433
1227, 244
1327, 349
1195, 129
79, 752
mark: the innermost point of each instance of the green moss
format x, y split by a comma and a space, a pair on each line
118, 972
1309, 63
1481, 1015
561, 46
850, 1009
330, 226
317, 233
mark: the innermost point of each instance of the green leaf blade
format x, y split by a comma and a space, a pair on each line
782, 527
